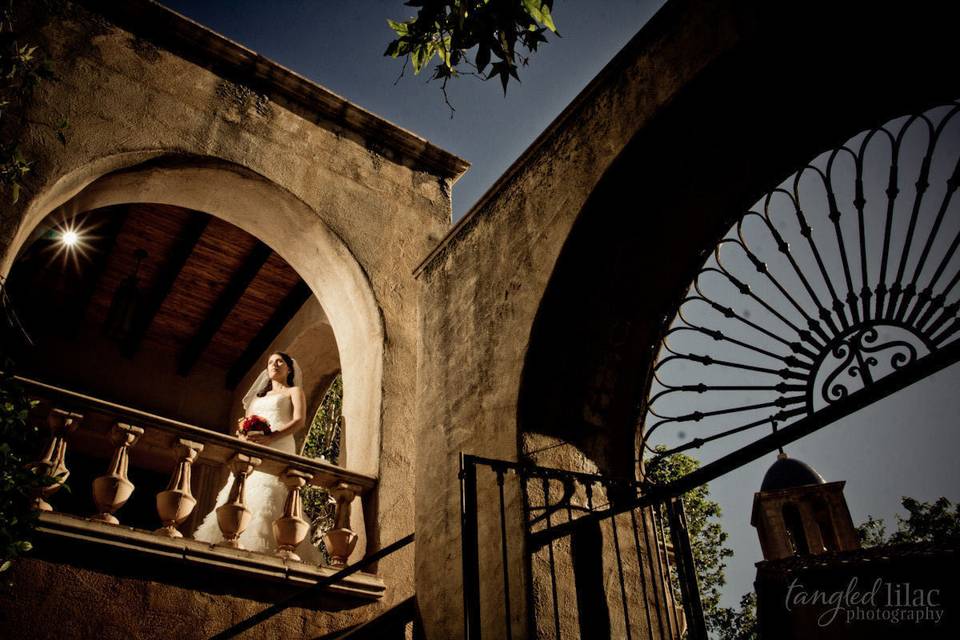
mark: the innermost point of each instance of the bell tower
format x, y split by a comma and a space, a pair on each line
796, 512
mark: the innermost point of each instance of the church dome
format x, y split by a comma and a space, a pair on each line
787, 473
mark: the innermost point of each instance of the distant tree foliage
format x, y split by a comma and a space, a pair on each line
707, 539
488, 38
323, 441
935, 523
729, 623
323, 434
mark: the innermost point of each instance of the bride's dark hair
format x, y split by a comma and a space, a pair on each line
269, 385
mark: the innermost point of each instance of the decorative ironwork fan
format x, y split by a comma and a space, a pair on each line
847, 271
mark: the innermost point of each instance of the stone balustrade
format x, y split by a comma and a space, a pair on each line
113, 431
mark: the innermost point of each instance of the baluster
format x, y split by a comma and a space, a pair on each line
61, 424
340, 540
111, 491
176, 503
290, 529
233, 517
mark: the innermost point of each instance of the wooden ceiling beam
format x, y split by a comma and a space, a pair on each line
282, 315
238, 283
107, 236
177, 257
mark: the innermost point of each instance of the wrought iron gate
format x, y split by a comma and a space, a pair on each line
839, 288
577, 521
846, 273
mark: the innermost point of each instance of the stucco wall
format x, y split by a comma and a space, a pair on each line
60, 600
349, 201
542, 308
483, 286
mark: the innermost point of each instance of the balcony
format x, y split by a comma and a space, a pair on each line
138, 452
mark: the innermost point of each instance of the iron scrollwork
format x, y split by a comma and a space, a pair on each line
856, 354
847, 271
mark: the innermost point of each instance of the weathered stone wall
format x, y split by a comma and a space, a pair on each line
349, 201
542, 308
60, 600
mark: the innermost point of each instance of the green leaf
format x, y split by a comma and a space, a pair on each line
547, 20
400, 28
6, 565
533, 9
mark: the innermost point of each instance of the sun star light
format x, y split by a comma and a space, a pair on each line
70, 238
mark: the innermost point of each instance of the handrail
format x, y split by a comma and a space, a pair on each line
551, 472
127, 427
274, 461
277, 607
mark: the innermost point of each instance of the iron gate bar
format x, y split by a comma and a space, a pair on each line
686, 567
623, 586
643, 578
469, 536
663, 568
888, 385
553, 575
525, 468
655, 567
505, 558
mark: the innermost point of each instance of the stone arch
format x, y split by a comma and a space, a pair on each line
673, 191
292, 229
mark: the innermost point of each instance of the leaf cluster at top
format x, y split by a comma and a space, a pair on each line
500, 33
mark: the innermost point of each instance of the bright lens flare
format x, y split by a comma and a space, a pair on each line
70, 238
71, 241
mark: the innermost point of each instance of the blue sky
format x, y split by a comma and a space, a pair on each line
905, 445
339, 44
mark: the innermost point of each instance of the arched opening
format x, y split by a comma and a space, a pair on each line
821, 514
165, 309
275, 218
670, 196
793, 524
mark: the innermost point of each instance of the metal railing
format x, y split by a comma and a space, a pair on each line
573, 525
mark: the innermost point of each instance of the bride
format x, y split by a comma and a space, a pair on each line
276, 396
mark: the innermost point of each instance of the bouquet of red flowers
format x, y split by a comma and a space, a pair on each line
255, 424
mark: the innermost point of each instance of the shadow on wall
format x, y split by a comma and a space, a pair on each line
671, 195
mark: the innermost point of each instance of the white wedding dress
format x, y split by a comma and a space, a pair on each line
264, 493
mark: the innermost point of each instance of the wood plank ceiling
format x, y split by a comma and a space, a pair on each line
206, 290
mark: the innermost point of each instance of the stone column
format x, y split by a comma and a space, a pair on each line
111, 491
61, 424
290, 529
176, 503
340, 540
233, 517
